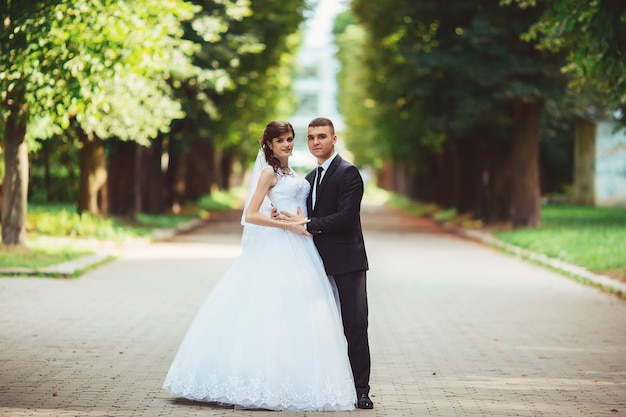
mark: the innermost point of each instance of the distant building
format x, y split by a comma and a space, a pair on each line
610, 165
599, 163
316, 83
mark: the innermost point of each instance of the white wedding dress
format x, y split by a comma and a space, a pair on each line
270, 333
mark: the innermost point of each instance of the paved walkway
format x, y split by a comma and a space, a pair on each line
457, 329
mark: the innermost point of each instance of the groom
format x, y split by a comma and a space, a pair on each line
334, 206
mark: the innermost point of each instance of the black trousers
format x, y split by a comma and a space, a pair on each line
352, 290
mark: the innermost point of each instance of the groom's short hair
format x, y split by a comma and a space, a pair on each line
322, 121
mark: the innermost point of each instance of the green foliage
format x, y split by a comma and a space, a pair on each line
218, 53
439, 72
145, 222
591, 237
103, 63
415, 208
593, 34
54, 171
222, 200
252, 52
446, 215
62, 220
377, 195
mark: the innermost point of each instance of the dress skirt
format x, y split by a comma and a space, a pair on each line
269, 335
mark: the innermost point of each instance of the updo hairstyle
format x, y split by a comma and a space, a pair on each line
273, 130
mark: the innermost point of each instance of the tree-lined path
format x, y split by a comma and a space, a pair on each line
457, 329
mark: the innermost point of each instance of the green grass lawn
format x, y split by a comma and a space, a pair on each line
38, 257
591, 237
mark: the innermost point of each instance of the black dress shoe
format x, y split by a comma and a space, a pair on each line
364, 402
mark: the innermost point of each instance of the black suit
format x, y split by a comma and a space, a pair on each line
336, 228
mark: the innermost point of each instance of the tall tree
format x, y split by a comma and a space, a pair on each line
18, 31
103, 65
191, 142
592, 34
455, 72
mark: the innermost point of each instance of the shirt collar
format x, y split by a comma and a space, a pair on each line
327, 162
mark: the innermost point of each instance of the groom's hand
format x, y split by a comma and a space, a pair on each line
290, 217
298, 219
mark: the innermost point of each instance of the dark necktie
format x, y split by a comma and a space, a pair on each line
319, 180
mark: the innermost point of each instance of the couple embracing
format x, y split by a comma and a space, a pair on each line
285, 328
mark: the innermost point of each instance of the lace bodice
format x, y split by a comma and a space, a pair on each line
289, 193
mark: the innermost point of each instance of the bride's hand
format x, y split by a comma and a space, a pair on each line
296, 225
298, 228
276, 215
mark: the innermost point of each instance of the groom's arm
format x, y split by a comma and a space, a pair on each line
346, 217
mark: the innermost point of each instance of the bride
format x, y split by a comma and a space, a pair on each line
270, 333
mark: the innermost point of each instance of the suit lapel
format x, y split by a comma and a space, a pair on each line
328, 177
331, 169
325, 180
310, 177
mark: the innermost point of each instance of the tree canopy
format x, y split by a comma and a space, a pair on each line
593, 35
106, 64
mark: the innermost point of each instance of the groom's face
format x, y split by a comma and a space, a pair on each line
321, 142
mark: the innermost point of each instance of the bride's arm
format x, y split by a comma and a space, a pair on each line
253, 215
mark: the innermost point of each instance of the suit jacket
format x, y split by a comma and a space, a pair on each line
336, 221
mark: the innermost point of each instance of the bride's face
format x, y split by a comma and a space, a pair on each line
282, 145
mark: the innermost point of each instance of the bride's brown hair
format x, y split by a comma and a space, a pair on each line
273, 130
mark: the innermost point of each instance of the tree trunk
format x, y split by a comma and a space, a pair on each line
15, 184
93, 173
131, 179
147, 179
137, 200
448, 193
484, 190
584, 162
103, 198
384, 176
154, 181
469, 174
201, 172
176, 176
45, 159
496, 180
525, 189
121, 178
400, 181
226, 170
